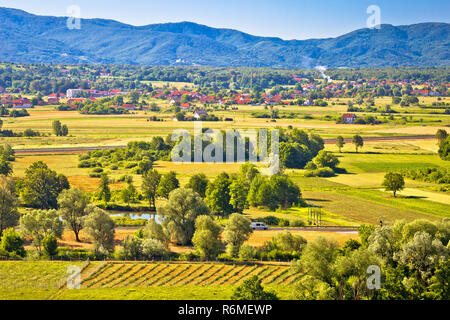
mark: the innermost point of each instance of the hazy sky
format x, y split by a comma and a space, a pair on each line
288, 19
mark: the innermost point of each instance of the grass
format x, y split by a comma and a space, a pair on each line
140, 280
32, 279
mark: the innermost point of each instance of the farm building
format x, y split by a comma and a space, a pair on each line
200, 113
349, 118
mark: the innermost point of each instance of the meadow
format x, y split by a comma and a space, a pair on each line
138, 280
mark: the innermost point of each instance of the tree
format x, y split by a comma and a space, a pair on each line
422, 253
311, 288
326, 159
251, 289
218, 195
154, 230
12, 243
153, 248
9, 216
444, 149
317, 259
286, 241
294, 155
237, 231
168, 183
340, 142
351, 271
393, 182
41, 186
50, 245
358, 142
5, 166
441, 135
57, 129
64, 130
238, 194
150, 184
384, 242
129, 194
104, 192
73, 206
206, 237
180, 212
131, 248
38, 224
364, 232
198, 183
100, 227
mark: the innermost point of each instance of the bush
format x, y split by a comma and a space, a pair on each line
12, 244
297, 223
283, 222
321, 172
247, 252
50, 245
74, 254
152, 248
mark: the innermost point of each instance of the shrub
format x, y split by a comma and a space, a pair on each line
152, 248
321, 172
247, 252
297, 223
12, 244
50, 245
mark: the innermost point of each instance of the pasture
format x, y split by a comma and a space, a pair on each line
139, 280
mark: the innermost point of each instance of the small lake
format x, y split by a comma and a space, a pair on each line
134, 216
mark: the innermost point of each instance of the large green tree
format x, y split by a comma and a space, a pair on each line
100, 227
73, 206
168, 183
198, 183
9, 215
218, 195
150, 184
237, 231
38, 224
358, 141
41, 186
180, 212
394, 182
206, 237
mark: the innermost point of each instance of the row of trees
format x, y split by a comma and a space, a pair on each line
228, 193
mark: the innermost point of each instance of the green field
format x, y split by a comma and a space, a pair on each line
138, 280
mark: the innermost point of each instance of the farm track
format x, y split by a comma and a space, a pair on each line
142, 274
327, 141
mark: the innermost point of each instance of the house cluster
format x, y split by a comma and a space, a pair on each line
9, 101
338, 88
90, 93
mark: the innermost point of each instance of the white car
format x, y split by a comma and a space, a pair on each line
259, 226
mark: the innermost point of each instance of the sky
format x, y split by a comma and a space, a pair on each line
287, 19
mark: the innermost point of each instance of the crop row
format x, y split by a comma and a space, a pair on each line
113, 275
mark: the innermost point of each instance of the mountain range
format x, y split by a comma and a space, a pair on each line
29, 38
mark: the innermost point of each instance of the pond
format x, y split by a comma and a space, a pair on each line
135, 216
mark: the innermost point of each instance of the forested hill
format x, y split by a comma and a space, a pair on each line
30, 38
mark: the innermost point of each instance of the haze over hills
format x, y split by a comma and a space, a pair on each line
29, 38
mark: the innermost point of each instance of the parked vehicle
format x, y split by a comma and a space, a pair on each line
259, 226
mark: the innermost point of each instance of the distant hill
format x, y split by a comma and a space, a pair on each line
29, 38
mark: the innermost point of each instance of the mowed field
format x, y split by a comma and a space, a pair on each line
139, 280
